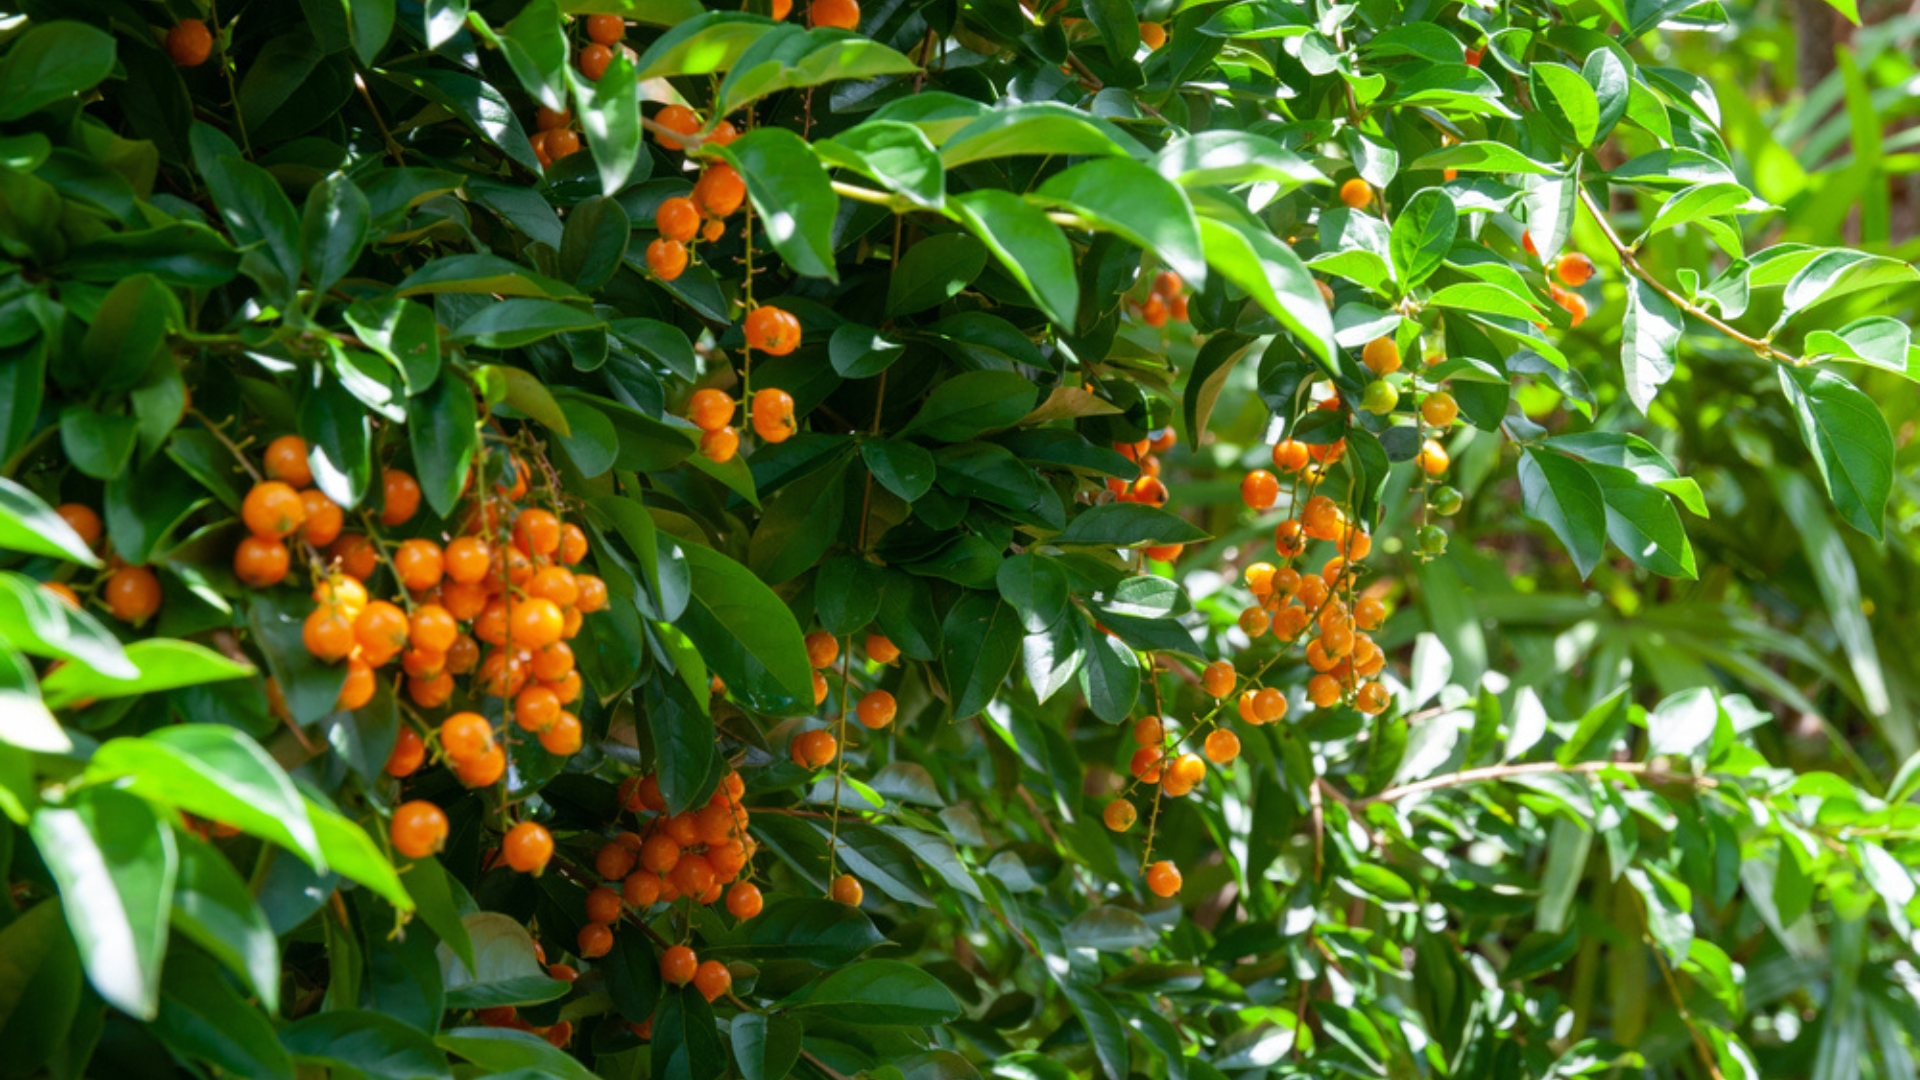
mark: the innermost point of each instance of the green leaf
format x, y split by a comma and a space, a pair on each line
1876, 340
25, 721
1562, 495
799, 523
746, 635
788, 57
1122, 196
351, 853
1041, 128
1838, 581
633, 977
202, 1018
1126, 525
972, 403
255, 210
1482, 157
1852, 446
536, 49
1568, 99
686, 1042
127, 331
52, 61
982, 639
161, 664
932, 272
879, 992
1110, 678
1422, 236
115, 864
99, 444
505, 971
402, 331
823, 932
333, 230
792, 194
594, 242
702, 45
894, 155
215, 772
500, 1050
1642, 522
1233, 157
443, 432
30, 525
339, 443
1484, 299
372, 1044
510, 324
483, 274
610, 117
1274, 277
1036, 587
1637, 454
40, 987
440, 899
765, 1044
900, 466
683, 747
1028, 244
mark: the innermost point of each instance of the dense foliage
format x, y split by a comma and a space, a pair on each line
599, 538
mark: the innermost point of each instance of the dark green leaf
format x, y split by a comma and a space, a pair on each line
792, 194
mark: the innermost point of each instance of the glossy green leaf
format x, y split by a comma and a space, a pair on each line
1028, 244
1852, 447
792, 194
115, 863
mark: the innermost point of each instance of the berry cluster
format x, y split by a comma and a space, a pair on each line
772, 331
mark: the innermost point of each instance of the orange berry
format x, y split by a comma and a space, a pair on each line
1164, 552
1154, 312
1369, 612
1222, 746
1433, 458
593, 594
324, 519
1254, 621
1218, 678
82, 520
430, 691
535, 623
62, 592
713, 230
465, 736
381, 629
286, 460
593, 61
847, 890
676, 118
400, 497
743, 900
693, 874
1289, 538
1526, 243
641, 889
773, 415
1147, 764
712, 979
677, 219
546, 119
839, 14
719, 191
607, 30
1184, 774
419, 829
710, 409
536, 708
537, 532
555, 583
527, 847
573, 544
1119, 815
418, 564
189, 43
1163, 878
1356, 193
1259, 577
328, 633
433, 628
595, 940
881, 650
467, 559
1259, 489
1153, 35
1149, 731
814, 749
667, 258
678, 965
1439, 409
1382, 356
719, 445
359, 687
1269, 705
613, 860
1473, 57
260, 562
876, 709
564, 737
133, 594
272, 510
1290, 455
772, 330
409, 753
553, 663
822, 648
483, 771
1574, 269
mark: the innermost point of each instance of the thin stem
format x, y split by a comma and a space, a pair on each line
226, 442
233, 91
393, 147
1686, 1016
1765, 349
839, 759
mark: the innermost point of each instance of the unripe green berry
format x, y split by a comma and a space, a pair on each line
1445, 500
1433, 540
1380, 397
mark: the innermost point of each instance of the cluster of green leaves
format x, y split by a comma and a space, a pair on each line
339, 228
